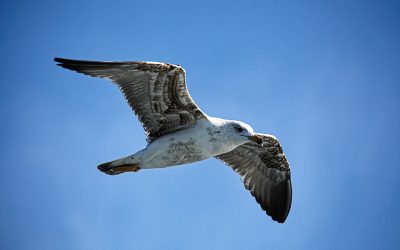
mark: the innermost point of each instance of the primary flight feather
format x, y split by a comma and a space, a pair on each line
178, 132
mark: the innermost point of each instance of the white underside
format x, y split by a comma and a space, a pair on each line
205, 139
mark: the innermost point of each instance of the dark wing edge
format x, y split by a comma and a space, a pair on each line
265, 172
156, 92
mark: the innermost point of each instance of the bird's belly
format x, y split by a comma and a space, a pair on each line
175, 149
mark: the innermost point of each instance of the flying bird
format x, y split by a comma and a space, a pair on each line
179, 132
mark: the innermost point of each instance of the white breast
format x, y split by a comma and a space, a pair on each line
205, 139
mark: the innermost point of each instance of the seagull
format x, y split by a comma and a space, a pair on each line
179, 132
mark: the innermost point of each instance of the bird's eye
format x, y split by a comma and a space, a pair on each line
239, 129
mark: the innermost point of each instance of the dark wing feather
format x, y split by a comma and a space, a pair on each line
264, 171
156, 92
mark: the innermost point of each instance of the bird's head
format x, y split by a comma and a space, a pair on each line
244, 133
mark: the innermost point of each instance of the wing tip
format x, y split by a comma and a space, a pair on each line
63, 61
66, 63
84, 66
282, 201
59, 59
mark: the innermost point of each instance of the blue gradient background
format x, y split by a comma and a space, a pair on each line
323, 76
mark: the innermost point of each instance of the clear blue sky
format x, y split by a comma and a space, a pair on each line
323, 76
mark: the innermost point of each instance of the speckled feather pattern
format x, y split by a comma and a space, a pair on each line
265, 172
178, 132
156, 92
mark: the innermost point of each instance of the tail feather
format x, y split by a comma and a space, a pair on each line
104, 167
111, 169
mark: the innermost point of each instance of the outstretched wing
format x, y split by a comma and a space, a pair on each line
156, 92
264, 171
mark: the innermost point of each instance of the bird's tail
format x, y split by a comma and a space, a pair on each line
119, 166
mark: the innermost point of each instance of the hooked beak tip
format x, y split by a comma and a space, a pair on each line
255, 138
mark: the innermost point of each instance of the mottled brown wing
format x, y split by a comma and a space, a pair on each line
156, 92
264, 171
